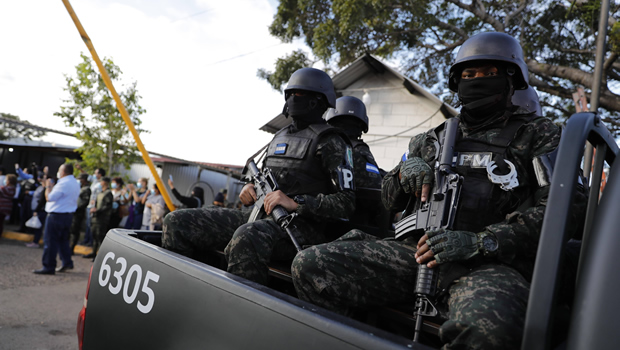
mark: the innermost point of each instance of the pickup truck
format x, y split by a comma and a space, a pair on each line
141, 296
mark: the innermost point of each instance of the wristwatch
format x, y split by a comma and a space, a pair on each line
299, 200
488, 244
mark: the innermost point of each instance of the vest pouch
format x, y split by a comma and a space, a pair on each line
294, 148
477, 208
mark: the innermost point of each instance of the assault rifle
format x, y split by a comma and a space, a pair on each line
265, 183
437, 212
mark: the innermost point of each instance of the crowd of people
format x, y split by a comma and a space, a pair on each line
101, 203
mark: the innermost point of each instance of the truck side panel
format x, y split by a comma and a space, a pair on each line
142, 296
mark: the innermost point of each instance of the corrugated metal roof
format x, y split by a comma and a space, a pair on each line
356, 70
21, 142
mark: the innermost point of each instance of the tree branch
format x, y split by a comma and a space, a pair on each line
480, 12
609, 62
573, 74
518, 10
452, 28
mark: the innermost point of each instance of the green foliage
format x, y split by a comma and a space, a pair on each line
10, 130
92, 110
558, 38
284, 68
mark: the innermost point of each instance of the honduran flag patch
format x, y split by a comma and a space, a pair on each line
372, 169
280, 148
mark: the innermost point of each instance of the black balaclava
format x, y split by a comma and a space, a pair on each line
351, 126
485, 99
305, 110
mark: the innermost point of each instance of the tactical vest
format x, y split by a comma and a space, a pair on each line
482, 202
290, 156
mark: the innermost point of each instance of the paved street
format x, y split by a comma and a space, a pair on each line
38, 311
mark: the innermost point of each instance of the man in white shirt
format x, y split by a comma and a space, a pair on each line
61, 204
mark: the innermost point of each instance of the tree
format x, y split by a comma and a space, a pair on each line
11, 126
92, 110
558, 39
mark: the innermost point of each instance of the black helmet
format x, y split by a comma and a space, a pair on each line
492, 46
527, 99
349, 106
311, 79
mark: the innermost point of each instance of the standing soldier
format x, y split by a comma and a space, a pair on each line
311, 162
485, 263
80, 213
101, 213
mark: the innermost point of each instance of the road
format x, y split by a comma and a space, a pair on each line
38, 311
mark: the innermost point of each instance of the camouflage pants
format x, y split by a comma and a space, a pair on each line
248, 246
99, 229
486, 307
194, 232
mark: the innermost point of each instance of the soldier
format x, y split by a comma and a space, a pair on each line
101, 213
486, 262
527, 99
350, 116
312, 164
80, 213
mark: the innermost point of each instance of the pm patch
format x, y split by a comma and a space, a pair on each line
280, 148
372, 169
474, 159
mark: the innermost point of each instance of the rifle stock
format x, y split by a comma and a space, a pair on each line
265, 183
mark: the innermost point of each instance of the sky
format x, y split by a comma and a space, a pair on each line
195, 62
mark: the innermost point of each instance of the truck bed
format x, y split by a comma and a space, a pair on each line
143, 296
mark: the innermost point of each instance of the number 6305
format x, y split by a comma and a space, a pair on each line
123, 282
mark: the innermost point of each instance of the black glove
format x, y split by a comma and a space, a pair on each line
415, 172
449, 245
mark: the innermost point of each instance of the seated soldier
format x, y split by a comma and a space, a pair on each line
350, 116
312, 163
486, 260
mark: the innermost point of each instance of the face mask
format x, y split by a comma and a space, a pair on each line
58, 175
99, 186
139, 185
305, 108
113, 185
483, 96
152, 191
5, 183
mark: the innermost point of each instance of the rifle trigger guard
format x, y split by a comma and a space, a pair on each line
506, 182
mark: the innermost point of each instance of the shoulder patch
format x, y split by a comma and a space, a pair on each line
280, 148
372, 169
349, 155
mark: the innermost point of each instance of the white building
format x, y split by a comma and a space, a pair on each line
398, 108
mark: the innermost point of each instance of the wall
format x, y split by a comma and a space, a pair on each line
392, 110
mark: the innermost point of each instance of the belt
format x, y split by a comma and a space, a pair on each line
60, 213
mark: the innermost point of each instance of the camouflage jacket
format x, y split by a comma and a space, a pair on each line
333, 152
519, 232
367, 173
103, 206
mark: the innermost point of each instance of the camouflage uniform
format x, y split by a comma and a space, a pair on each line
250, 246
367, 172
78, 216
487, 303
100, 221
